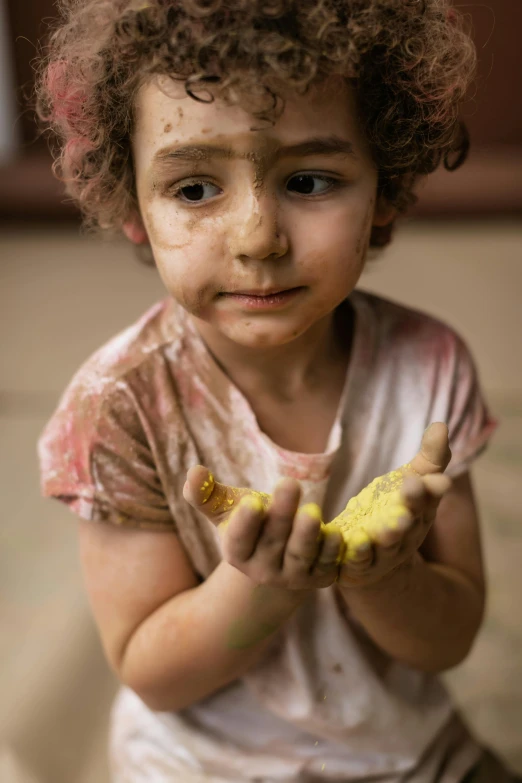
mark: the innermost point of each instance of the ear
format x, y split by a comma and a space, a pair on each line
384, 213
134, 230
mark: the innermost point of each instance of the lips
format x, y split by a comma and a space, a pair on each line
262, 293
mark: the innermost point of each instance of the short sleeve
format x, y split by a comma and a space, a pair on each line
95, 457
469, 420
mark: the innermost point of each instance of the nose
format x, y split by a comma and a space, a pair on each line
255, 233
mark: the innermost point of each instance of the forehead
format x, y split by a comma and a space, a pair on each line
165, 115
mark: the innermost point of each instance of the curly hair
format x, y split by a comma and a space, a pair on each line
411, 63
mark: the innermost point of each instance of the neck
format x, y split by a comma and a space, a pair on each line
283, 370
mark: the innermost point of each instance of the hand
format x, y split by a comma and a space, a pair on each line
268, 537
387, 522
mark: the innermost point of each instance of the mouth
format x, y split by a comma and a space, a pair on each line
264, 298
260, 293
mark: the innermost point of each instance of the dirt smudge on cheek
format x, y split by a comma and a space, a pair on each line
159, 238
192, 224
200, 302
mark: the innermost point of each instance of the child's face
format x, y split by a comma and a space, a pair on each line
231, 211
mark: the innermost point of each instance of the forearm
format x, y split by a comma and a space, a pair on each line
204, 638
425, 615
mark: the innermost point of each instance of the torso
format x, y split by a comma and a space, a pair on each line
302, 424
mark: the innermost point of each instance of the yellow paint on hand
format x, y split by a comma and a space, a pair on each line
253, 503
377, 506
313, 510
206, 488
357, 542
231, 504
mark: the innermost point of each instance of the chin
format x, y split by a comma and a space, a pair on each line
249, 336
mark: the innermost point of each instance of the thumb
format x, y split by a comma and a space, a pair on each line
434, 454
213, 499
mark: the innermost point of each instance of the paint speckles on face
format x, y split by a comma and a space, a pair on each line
258, 233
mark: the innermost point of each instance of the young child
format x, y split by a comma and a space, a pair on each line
259, 148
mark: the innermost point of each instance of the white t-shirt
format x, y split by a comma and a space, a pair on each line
324, 703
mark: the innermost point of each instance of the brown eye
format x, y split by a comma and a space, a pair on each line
196, 192
193, 192
310, 184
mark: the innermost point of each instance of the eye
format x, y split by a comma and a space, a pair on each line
195, 192
311, 184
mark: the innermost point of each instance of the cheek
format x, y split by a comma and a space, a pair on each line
166, 231
340, 229
335, 240
183, 270
364, 234
185, 260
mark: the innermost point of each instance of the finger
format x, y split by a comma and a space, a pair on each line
244, 530
434, 454
387, 531
414, 495
331, 551
359, 549
304, 542
422, 495
279, 520
437, 486
213, 499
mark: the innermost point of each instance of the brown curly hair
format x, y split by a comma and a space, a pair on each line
410, 61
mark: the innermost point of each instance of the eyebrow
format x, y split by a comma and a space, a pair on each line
327, 145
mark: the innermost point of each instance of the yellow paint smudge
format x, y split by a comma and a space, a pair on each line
377, 506
207, 488
313, 510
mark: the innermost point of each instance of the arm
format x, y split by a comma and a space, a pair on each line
170, 639
427, 611
174, 641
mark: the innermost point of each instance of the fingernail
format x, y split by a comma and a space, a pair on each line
313, 510
359, 540
357, 546
252, 503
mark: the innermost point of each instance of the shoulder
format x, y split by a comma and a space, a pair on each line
418, 369
106, 391
399, 331
137, 345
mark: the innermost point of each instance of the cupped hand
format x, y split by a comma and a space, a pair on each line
387, 522
276, 542
270, 538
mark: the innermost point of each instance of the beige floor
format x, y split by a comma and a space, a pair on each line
61, 296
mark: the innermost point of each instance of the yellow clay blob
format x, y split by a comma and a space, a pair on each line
377, 505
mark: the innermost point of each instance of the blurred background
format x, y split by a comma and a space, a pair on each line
458, 256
